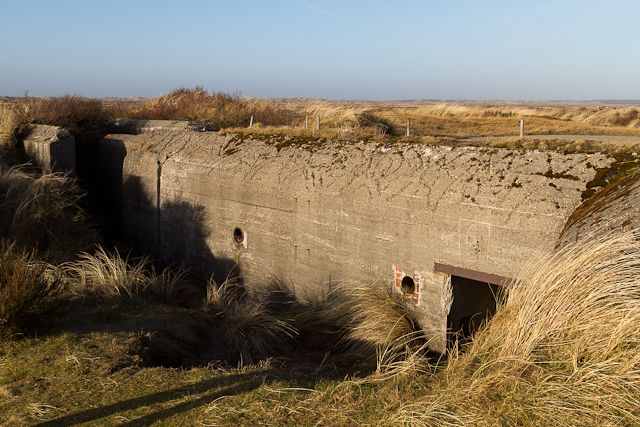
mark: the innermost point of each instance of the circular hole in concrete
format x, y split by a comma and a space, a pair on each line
407, 285
238, 235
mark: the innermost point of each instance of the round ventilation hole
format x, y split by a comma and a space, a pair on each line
238, 235
407, 285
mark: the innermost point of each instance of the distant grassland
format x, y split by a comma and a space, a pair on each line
338, 119
462, 120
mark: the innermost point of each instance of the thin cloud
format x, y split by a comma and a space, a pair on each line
317, 9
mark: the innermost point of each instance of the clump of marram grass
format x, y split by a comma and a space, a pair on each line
353, 324
109, 275
252, 331
10, 124
42, 212
221, 109
356, 324
375, 314
380, 125
26, 285
78, 115
564, 350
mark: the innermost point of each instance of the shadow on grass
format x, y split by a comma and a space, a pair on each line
209, 390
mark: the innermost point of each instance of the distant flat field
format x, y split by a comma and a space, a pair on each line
470, 118
369, 119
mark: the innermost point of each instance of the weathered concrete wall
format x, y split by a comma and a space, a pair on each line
319, 213
615, 207
51, 148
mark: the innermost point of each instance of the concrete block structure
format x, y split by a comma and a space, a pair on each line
443, 226
51, 148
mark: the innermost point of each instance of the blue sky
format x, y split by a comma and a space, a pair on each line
456, 49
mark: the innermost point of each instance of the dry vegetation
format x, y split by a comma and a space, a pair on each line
563, 351
469, 120
132, 343
197, 104
26, 288
479, 120
42, 213
429, 122
74, 113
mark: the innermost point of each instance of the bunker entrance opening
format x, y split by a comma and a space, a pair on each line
474, 302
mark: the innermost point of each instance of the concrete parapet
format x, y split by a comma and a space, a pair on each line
51, 148
137, 127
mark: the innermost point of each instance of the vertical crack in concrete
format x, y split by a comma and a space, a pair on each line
158, 184
160, 164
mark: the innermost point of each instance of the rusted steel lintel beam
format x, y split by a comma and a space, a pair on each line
494, 279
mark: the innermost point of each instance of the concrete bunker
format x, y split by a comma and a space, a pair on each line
370, 207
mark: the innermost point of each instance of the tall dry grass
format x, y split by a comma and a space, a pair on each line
369, 318
42, 213
349, 326
221, 109
339, 119
351, 119
40, 223
615, 116
8, 124
75, 113
251, 328
26, 288
108, 274
564, 350
627, 116
353, 326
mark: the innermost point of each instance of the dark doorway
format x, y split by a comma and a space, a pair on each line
473, 303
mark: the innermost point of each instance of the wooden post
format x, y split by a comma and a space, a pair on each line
408, 127
318, 122
306, 121
251, 122
521, 128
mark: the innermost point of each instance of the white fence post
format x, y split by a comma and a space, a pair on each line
251, 122
306, 121
522, 128
408, 127
318, 121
